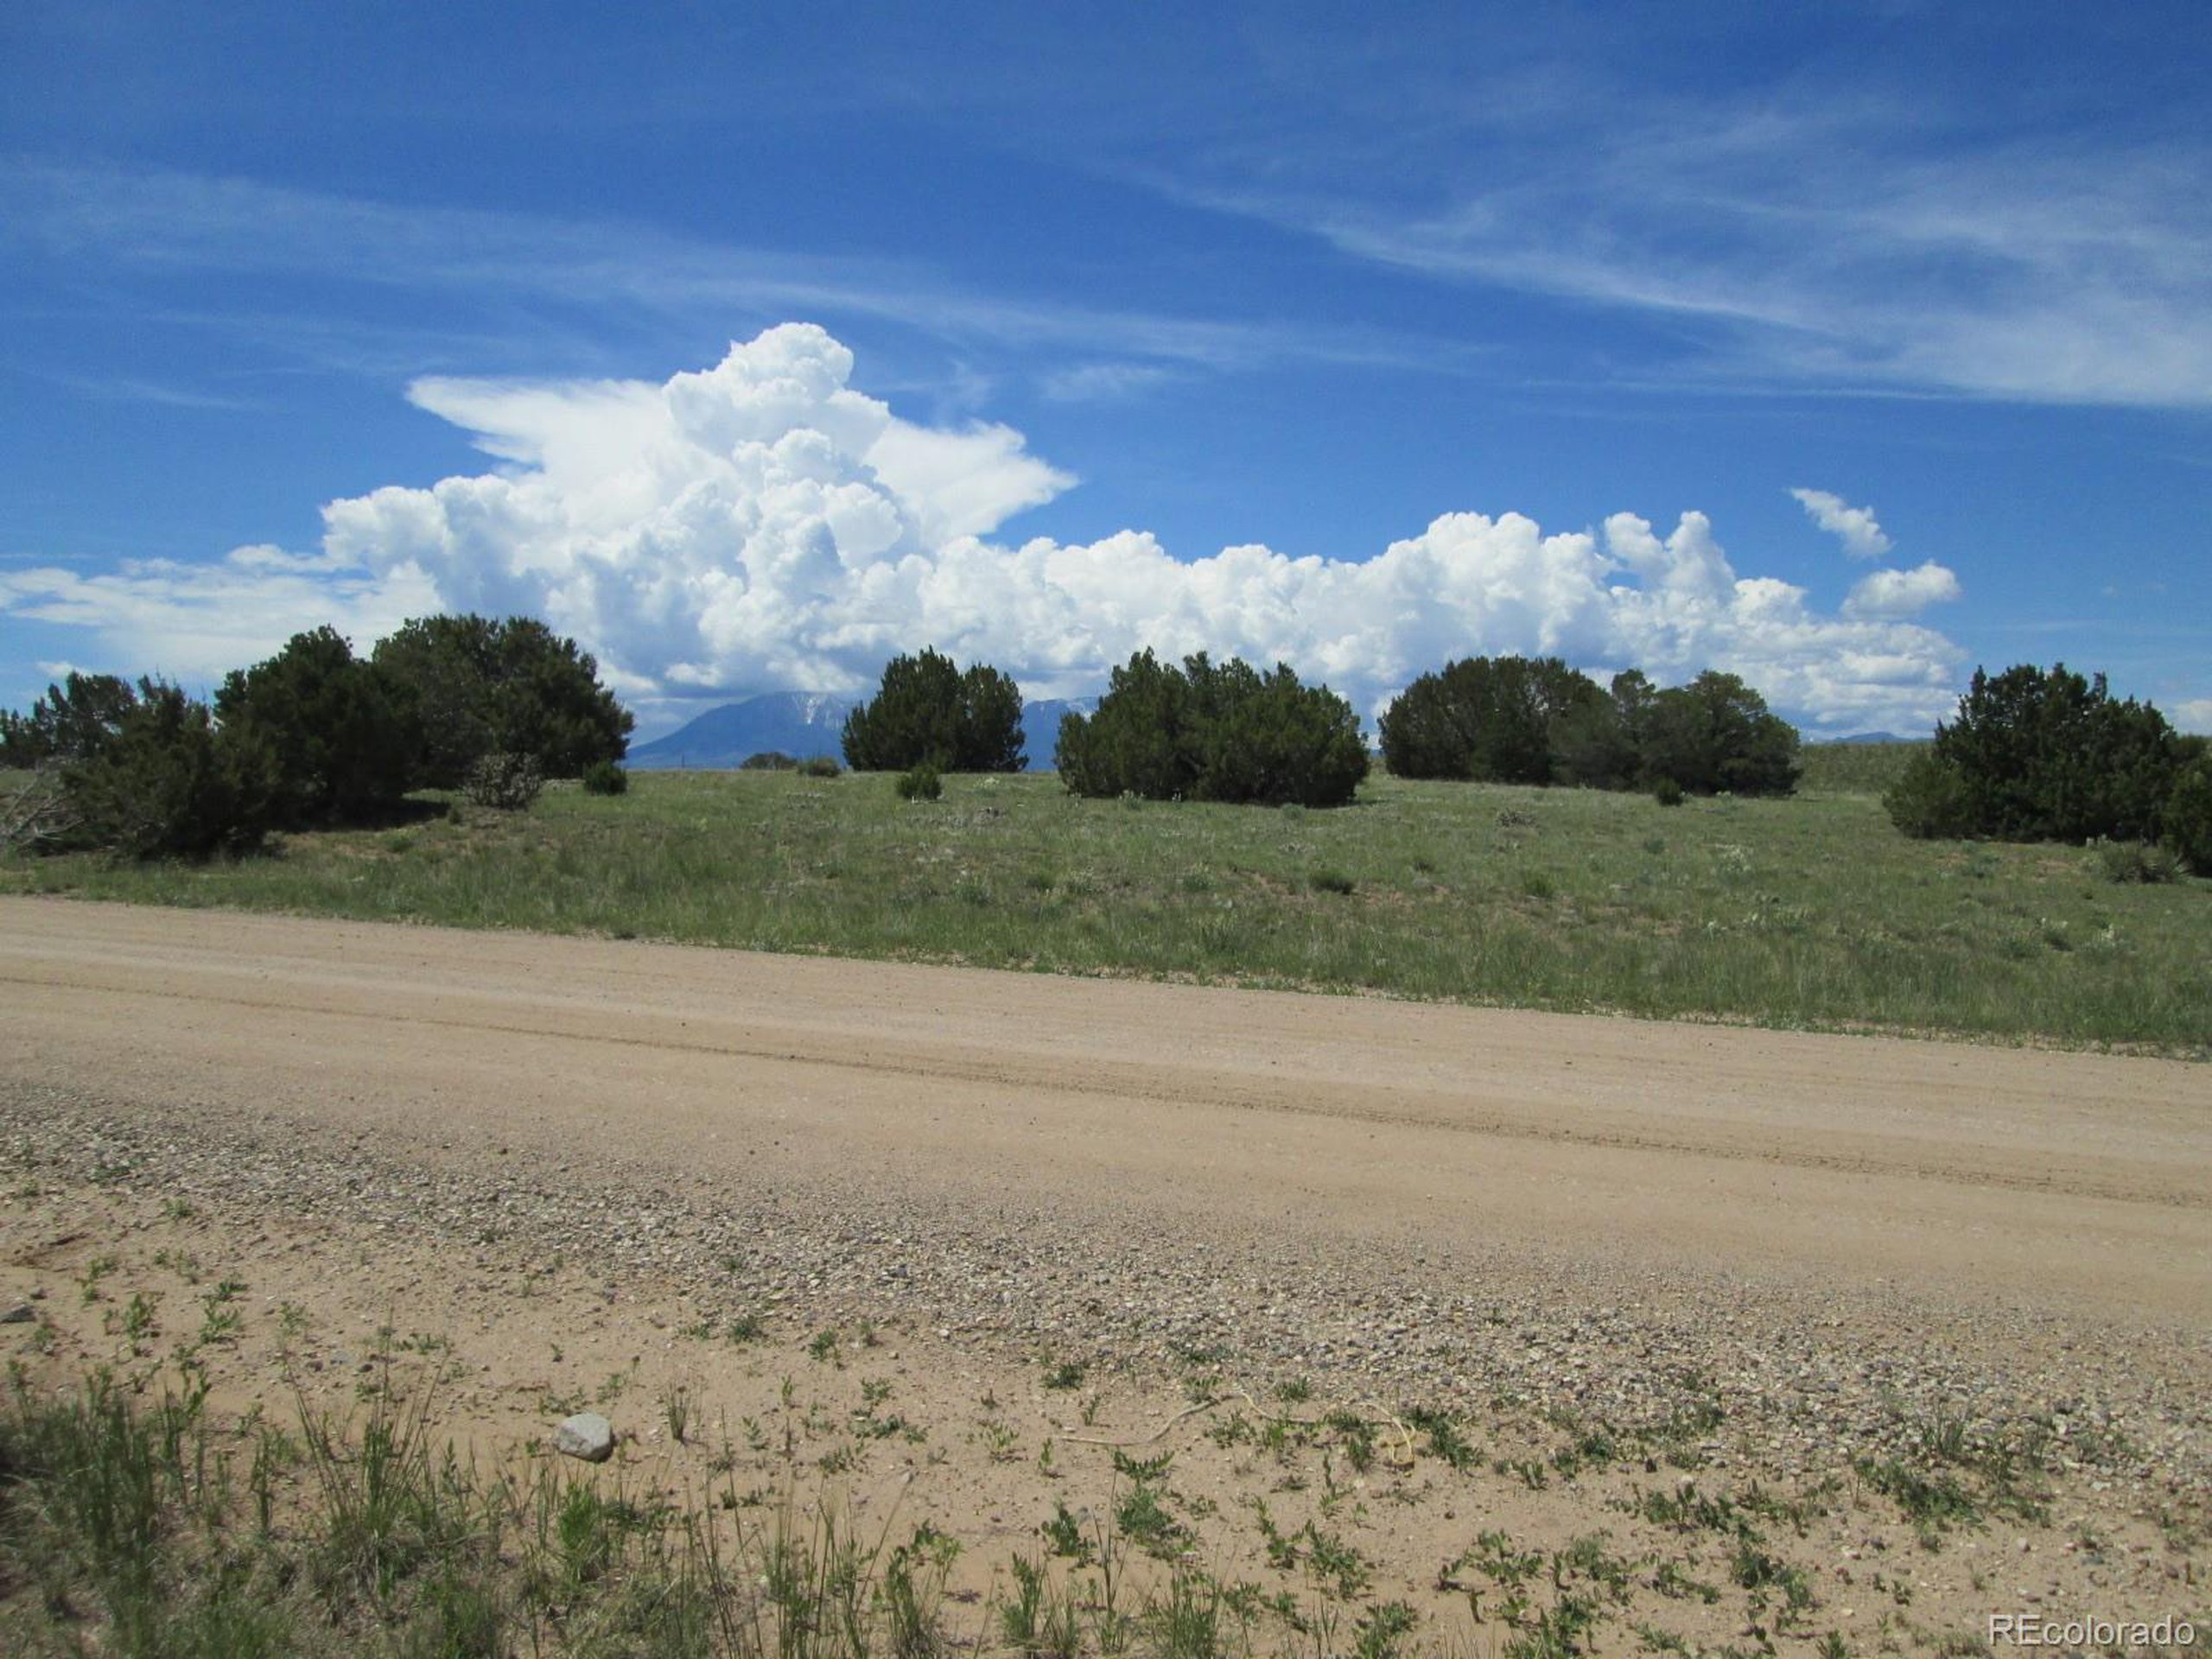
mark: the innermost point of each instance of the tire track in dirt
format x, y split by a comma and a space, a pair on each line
1974, 1176
1137, 1080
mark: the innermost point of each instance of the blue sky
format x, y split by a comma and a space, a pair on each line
1844, 347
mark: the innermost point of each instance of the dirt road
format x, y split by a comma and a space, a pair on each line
2072, 1183
1941, 1315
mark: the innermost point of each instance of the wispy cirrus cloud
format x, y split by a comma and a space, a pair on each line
1842, 246
1085, 382
133, 389
166, 220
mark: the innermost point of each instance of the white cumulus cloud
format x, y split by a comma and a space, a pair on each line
1894, 593
2193, 716
1862, 538
192, 623
763, 524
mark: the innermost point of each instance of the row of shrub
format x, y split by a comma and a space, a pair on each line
1227, 732
316, 735
815, 765
1205, 731
1213, 731
2045, 754
1520, 720
2032, 754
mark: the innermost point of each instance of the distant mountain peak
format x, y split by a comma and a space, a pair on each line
798, 723
806, 723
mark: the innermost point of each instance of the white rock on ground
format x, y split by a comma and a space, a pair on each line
587, 1435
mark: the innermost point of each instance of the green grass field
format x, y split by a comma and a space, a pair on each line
1806, 912
1852, 768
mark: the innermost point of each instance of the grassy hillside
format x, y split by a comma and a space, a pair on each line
1853, 768
1811, 912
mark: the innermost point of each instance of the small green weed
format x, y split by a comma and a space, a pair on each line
1065, 1375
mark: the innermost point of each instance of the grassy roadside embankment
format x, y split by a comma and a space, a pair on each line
1807, 913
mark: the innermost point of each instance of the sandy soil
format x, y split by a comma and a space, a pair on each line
565, 1168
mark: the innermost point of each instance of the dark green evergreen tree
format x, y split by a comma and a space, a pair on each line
1716, 734
926, 711
1214, 732
470, 687
990, 723
2037, 754
1597, 744
342, 747
1140, 739
2188, 816
169, 783
1501, 720
71, 722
